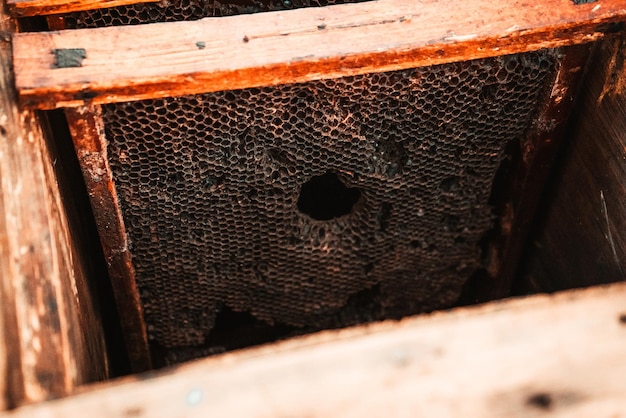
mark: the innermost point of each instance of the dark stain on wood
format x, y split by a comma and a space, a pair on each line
540, 400
86, 95
69, 57
609, 28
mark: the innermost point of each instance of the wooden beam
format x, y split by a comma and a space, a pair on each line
582, 240
560, 354
538, 151
22, 8
51, 339
87, 130
71, 68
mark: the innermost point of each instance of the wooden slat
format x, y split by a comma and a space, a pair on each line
583, 238
51, 338
22, 8
169, 59
87, 130
538, 151
555, 356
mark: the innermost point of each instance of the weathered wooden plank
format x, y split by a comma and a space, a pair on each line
51, 340
87, 130
560, 355
538, 151
4, 347
70, 68
582, 240
22, 8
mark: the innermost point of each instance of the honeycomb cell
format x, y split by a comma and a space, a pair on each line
210, 185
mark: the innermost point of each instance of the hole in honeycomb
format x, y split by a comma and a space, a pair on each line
325, 197
211, 187
212, 191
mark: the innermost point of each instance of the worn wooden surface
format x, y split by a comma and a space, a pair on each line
537, 152
558, 356
23, 8
4, 349
169, 59
87, 130
51, 339
582, 240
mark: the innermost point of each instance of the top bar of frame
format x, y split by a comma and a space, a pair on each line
116, 64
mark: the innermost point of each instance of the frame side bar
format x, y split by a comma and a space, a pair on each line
87, 130
51, 338
538, 151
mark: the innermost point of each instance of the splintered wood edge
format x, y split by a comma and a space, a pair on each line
539, 149
87, 131
23, 8
561, 354
51, 338
119, 64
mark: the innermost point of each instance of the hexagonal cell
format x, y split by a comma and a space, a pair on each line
211, 188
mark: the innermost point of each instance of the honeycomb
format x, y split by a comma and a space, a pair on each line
179, 10
290, 202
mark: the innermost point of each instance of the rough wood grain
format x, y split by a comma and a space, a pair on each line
170, 59
559, 355
582, 240
4, 349
537, 154
87, 130
51, 339
22, 8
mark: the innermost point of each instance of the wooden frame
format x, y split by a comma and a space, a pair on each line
51, 337
370, 24
87, 130
539, 149
561, 355
169, 59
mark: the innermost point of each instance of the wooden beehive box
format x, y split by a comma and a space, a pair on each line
559, 354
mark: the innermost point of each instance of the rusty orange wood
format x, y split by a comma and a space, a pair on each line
22, 8
87, 130
51, 336
171, 59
